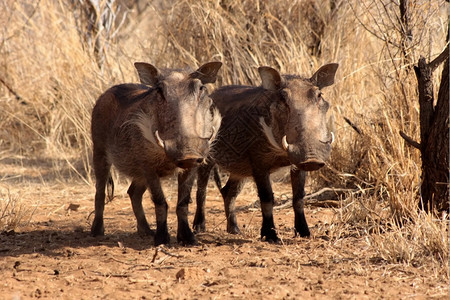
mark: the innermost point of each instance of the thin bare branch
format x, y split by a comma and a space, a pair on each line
438, 60
353, 125
383, 38
12, 91
409, 140
315, 197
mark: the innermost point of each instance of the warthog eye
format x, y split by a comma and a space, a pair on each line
161, 88
284, 94
203, 92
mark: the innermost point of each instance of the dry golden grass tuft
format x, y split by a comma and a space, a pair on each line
51, 76
13, 211
415, 239
414, 242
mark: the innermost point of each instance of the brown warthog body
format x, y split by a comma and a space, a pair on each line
281, 123
151, 131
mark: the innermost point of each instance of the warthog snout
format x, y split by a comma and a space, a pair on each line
186, 153
189, 162
311, 165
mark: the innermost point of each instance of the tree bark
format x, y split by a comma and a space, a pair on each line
435, 152
406, 32
434, 135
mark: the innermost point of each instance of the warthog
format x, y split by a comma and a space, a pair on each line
281, 123
151, 130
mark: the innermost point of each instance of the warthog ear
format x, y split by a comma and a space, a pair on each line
148, 74
208, 72
271, 78
324, 76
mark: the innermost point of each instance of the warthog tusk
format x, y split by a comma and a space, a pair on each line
284, 143
213, 134
332, 137
269, 134
159, 139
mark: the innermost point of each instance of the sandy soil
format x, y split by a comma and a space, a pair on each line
54, 256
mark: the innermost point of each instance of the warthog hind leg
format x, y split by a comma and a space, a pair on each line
229, 193
101, 168
135, 191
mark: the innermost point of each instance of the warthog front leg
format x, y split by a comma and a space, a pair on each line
135, 191
202, 183
229, 193
298, 192
265, 194
162, 233
185, 182
101, 168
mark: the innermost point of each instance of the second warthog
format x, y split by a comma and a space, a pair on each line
281, 123
151, 130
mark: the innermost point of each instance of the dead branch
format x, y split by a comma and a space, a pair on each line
326, 203
168, 253
316, 195
439, 59
129, 263
353, 125
409, 140
12, 91
110, 274
384, 38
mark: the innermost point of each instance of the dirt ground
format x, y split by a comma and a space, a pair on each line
53, 255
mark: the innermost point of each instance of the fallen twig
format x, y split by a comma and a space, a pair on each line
129, 263
168, 253
110, 274
324, 191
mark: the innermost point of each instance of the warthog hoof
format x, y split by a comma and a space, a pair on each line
186, 238
162, 237
97, 228
301, 227
199, 228
303, 232
233, 229
270, 234
146, 231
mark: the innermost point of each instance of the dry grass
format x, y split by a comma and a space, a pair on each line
51, 78
13, 211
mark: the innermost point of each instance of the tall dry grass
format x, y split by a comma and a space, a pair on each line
51, 76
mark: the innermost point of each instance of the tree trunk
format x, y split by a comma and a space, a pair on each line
434, 134
405, 30
435, 152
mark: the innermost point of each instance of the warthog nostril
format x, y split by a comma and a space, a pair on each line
311, 165
189, 162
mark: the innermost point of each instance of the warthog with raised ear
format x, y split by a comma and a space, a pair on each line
281, 123
151, 130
